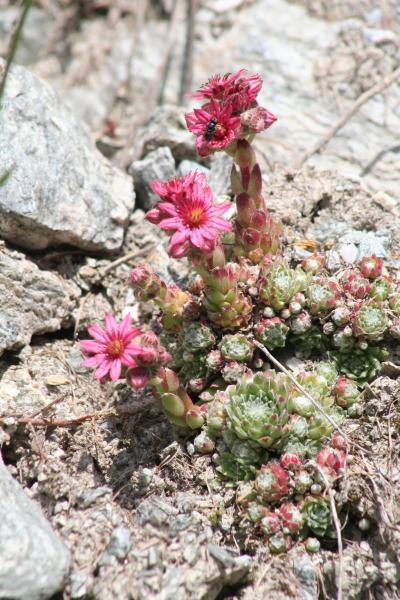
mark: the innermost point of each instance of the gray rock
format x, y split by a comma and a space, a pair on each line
167, 127
39, 27
79, 584
89, 497
33, 561
32, 301
59, 188
353, 243
120, 542
186, 166
220, 175
157, 165
305, 571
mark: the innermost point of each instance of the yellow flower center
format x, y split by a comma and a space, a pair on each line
115, 348
195, 217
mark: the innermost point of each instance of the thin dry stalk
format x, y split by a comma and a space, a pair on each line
282, 368
126, 258
15, 38
336, 522
118, 411
361, 100
187, 66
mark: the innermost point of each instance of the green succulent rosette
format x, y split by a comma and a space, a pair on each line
318, 518
258, 409
361, 365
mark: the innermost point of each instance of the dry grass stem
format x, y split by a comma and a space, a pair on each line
361, 100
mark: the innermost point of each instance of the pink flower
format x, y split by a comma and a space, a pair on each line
187, 210
240, 91
214, 125
218, 85
111, 347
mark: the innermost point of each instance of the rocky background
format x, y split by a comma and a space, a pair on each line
93, 112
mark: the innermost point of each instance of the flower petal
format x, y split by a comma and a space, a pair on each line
173, 223
124, 326
103, 369
220, 209
93, 361
97, 333
115, 370
111, 325
221, 224
91, 346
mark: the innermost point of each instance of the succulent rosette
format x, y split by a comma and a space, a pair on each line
271, 483
272, 332
317, 516
279, 283
323, 295
258, 409
361, 365
370, 321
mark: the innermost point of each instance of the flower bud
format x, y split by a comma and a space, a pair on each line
256, 120
270, 524
203, 443
346, 392
313, 264
290, 461
371, 266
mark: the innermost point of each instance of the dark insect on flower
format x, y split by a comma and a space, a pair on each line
210, 129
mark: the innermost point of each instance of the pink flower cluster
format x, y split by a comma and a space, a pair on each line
187, 213
231, 111
111, 349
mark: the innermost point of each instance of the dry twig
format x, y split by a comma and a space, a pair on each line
338, 528
125, 258
14, 45
118, 411
282, 368
361, 100
187, 66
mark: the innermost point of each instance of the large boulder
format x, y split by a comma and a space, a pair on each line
56, 187
34, 563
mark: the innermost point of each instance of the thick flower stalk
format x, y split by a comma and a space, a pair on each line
175, 400
226, 305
